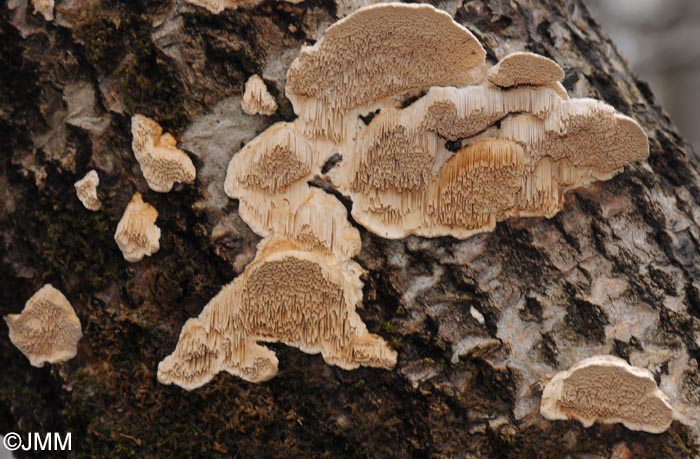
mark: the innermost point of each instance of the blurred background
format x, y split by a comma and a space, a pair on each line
661, 41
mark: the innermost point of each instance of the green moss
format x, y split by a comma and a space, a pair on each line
394, 337
74, 244
102, 46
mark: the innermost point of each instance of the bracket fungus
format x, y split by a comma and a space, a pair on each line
47, 330
606, 389
298, 297
137, 234
86, 189
525, 69
368, 59
162, 163
257, 100
524, 143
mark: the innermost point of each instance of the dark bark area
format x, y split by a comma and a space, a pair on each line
537, 282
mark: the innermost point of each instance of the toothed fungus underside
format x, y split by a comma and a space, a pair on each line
301, 298
86, 189
606, 389
47, 330
256, 99
522, 147
137, 234
162, 163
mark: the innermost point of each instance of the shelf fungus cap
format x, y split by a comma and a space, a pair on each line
257, 100
525, 69
137, 234
606, 389
162, 163
47, 330
303, 299
376, 53
86, 189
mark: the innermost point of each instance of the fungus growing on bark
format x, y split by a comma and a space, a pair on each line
300, 298
374, 55
44, 7
47, 330
269, 176
525, 69
217, 6
86, 189
162, 163
521, 148
137, 234
606, 389
257, 100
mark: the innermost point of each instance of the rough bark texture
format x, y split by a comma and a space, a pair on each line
618, 271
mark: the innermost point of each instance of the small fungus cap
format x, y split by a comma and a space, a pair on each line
162, 163
257, 100
525, 69
137, 234
86, 189
47, 330
384, 50
607, 389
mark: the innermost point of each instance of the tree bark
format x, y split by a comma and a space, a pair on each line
616, 272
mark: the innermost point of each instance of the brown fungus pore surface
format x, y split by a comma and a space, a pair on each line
47, 330
378, 52
606, 389
525, 69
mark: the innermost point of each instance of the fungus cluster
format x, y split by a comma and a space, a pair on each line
301, 289
424, 77
47, 330
606, 389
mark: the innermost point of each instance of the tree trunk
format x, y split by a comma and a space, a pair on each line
479, 324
